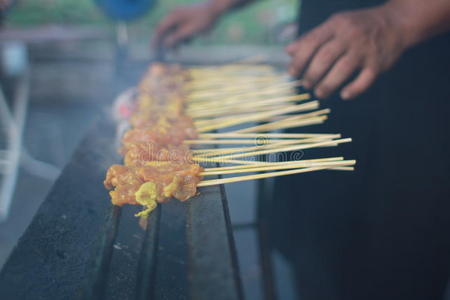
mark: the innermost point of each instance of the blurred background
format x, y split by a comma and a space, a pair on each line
258, 24
64, 62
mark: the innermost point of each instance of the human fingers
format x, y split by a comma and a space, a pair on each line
361, 83
303, 49
339, 73
164, 28
181, 34
322, 62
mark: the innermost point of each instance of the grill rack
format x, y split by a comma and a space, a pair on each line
79, 246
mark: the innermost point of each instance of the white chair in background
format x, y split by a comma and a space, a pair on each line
13, 113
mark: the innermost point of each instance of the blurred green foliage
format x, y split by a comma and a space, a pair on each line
255, 24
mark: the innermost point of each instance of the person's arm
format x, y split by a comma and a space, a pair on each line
187, 21
421, 19
367, 41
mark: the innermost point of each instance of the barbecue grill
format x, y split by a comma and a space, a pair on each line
79, 246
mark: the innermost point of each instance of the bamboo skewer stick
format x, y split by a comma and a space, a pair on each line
271, 90
231, 100
277, 125
239, 167
281, 167
260, 116
248, 142
229, 161
258, 176
207, 115
241, 81
227, 103
216, 86
250, 102
284, 118
296, 117
282, 97
222, 151
284, 149
288, 119
214, 70
343, 168
210, 114
268, 135
215, 79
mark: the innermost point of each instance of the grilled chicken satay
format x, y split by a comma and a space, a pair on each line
157, 164
137, 154
152, 183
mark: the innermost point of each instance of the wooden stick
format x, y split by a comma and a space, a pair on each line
284, 118
232, 84
285, 149
271, 90
278, 125
248, 142
217, 84
228, 161
227, 113
215, 90
281, 167
343, 168
268, 135
296, 117
212, 107
277, 163
258, 116
258, 176
235, 99
252, 102
222, 151
203, 117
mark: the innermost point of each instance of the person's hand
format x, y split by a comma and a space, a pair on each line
183, 23
362, 43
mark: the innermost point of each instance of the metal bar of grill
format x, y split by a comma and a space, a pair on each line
80, 247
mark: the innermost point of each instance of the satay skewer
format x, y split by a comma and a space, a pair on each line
260, 116
279, 98
284, 143
268, 91
259, 176
251, 102
273, 120
267, 135
280, 149
250, 142
165, 105
265, 168
227, 114
276, 163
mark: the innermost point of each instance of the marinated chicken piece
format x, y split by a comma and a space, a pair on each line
154, 181
172, 114
123, 185
163, 132
149, 108
162, 78
158, 165
174, 179
137, 154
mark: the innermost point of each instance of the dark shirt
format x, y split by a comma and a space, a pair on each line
381, 232
313, 13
